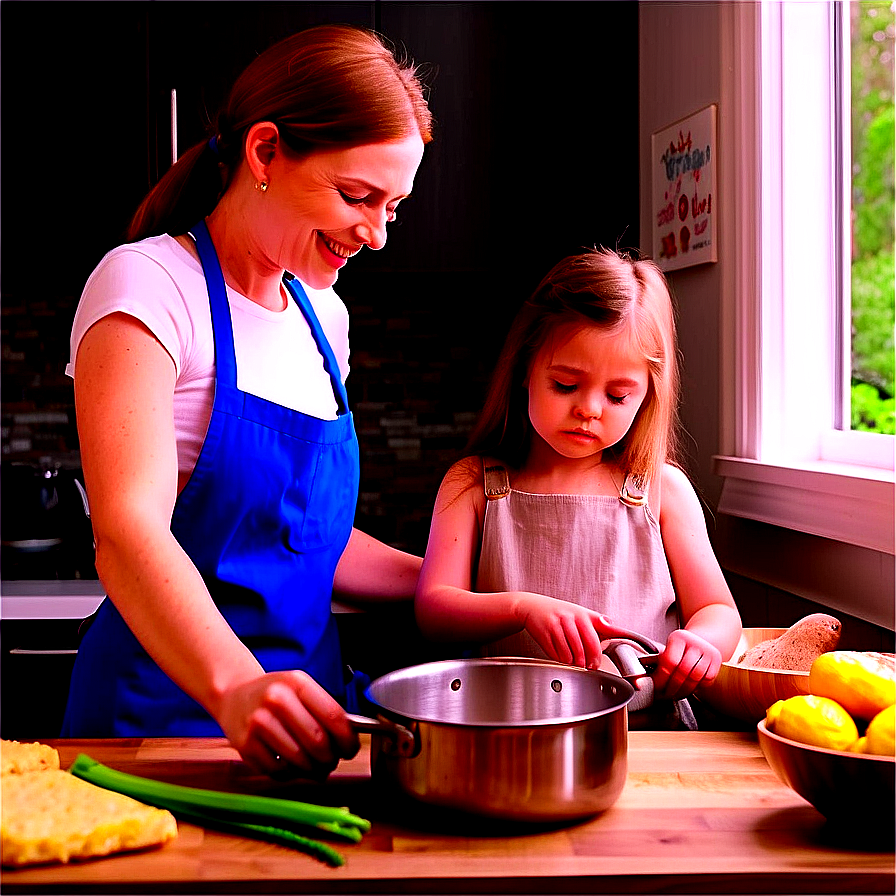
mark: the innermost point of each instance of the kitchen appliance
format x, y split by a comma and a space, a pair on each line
46, 531
519, 739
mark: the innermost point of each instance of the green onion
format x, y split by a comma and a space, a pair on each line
231, 808
315, 848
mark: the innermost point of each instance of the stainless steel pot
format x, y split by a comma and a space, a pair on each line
507, 738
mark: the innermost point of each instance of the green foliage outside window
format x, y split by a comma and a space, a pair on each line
873, 388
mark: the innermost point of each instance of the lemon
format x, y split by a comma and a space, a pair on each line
862, 683
772, 714
809, 719
879, 735
860, 746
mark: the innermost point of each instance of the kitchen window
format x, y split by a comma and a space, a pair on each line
793, 460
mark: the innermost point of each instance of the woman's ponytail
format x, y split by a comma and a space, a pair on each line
187, 192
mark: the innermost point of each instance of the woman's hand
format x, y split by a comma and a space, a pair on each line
286, 725
686, 661
565, 631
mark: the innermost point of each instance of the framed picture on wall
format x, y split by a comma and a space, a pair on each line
683, 163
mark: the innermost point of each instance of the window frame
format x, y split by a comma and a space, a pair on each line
784, 460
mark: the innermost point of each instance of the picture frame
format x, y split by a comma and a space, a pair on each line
683, 178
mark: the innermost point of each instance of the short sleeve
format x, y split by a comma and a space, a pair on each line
130, 281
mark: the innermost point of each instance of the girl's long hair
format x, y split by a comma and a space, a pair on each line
326, 87
619, 295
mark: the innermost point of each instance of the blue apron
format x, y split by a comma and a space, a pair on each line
265, 518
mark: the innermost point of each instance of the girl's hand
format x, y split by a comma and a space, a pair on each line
285, 724
565, 631
686, 661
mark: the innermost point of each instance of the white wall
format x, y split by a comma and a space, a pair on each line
684, 65
679, 73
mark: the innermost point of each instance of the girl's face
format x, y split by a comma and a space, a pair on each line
321, 210
585, 388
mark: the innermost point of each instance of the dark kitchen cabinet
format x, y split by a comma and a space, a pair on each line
535, 156
36, 661
86, 114
536, 125
74, 138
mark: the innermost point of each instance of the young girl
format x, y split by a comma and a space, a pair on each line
568, 522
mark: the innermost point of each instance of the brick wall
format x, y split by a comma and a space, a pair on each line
420, 363
419, 371
37, 397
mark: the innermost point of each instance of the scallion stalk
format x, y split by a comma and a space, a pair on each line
236, 807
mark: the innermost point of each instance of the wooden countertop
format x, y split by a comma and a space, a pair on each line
701, 812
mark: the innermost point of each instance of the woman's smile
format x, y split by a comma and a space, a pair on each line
321, 210
339, 252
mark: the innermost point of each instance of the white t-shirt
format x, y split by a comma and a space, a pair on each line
161, 284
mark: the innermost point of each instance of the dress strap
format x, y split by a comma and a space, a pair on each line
496, 481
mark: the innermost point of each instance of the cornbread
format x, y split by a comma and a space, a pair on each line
17, 758
52, 816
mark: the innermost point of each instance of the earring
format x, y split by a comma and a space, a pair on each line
261, 186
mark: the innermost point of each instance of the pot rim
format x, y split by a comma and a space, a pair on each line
624, 694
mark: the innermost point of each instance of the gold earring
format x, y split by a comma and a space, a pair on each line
261, 186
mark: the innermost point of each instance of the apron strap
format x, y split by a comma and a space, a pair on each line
222, 327
323, 345
495, 480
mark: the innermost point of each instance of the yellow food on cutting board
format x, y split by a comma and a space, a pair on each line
813, 720
863, 683
17, 758
796, 649
49, 815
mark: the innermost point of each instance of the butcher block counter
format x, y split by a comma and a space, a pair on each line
701, 812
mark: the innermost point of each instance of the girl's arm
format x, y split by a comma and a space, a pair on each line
370, 570
124, 390
712, 625
447, 608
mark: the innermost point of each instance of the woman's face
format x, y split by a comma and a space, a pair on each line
585, 388
321, 210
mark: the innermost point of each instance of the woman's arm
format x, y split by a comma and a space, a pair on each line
124, 390
712, 625
447, 608
372, 571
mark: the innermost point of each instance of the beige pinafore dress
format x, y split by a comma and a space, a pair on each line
601, 552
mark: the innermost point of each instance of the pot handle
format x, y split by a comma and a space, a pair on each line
629, 658
397, 740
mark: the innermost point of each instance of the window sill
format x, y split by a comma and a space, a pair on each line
843, 502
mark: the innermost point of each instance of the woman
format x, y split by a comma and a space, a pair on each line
219, 455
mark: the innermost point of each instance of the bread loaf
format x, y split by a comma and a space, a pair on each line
17, 758
797, 648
